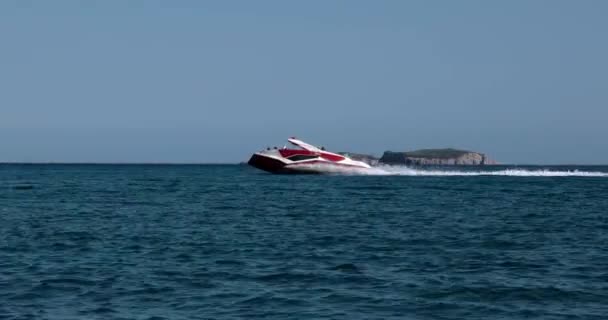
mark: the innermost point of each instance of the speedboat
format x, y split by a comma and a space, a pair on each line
305, 158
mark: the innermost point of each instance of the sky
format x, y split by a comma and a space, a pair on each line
199, 81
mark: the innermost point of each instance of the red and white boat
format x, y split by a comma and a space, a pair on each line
305, 158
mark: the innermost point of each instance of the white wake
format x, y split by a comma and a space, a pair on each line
514, 172
386, 170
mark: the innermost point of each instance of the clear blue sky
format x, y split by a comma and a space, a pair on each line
198, 81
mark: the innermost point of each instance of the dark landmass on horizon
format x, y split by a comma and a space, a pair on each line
423, 157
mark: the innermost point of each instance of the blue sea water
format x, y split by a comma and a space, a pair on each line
232, 242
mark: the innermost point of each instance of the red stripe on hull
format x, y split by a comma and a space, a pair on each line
286, 153
332, 157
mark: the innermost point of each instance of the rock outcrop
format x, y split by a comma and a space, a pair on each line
439, 157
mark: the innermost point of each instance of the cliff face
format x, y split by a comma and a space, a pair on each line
438, 157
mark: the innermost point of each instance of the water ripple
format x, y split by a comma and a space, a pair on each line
215, 242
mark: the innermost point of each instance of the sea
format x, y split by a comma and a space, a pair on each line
232, 242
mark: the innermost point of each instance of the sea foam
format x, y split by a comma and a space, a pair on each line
512, 172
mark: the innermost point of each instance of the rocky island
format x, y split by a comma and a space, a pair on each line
440, 157
436, 157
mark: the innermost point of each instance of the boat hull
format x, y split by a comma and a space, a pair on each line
306, 159
274, 165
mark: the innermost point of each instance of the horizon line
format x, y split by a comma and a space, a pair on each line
245, 163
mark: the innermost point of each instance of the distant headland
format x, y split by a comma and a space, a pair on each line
422, 157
